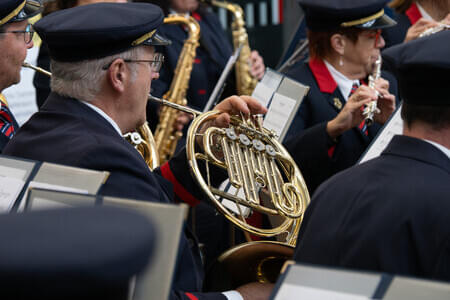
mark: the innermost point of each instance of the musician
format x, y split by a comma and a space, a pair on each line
414, 17
345, 41
41, 81
213, 52
103, 64
390, 214
15, 38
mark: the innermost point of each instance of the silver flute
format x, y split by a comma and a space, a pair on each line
371, 108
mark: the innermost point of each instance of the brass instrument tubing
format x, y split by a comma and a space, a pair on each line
37, 69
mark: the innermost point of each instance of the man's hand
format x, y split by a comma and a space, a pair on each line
255, 291
257, 67
351, 114
420, 26
182, 119
235, 105
386, 101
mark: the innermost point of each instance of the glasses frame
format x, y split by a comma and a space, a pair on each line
374, 34
155, 64
28, 30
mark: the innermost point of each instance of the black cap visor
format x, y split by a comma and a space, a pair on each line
31, 9
157, 40
382, 22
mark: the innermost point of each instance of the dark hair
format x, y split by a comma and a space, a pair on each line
438, 117
52, 6
400, 6
320, 41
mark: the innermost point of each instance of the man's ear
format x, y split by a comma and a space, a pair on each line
337, 42
117, 75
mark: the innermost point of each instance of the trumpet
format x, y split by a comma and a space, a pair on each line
371, 108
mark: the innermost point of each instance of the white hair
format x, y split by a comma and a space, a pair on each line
83, 80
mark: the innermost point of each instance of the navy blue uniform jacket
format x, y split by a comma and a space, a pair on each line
11, 120
66, 131
389, 214
308, 142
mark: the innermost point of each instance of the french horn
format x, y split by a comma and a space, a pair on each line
259, 166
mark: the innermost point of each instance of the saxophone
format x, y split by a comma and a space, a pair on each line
245, 82
166, 137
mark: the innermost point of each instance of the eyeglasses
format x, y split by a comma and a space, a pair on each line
155, 63
27, 33
374, 34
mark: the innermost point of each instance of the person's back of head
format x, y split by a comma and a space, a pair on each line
423, 67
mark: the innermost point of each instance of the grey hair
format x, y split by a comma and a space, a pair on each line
83, 80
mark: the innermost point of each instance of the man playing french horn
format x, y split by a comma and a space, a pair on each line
102, 73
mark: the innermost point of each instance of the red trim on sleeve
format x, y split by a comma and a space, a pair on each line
197, 16
197, 61
256, 221
202, 92
413, 13
190, 296
322, 75
280, 11
331, 151
179, 190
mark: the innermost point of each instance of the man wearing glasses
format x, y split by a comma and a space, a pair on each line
103, 62
15, 38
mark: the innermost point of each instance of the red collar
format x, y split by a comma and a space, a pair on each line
413, 13
196, 16
322, 75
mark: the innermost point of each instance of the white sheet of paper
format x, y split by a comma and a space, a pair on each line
12, 172
393, 127
9, 191
263, 93
279, 112
294, 292
231, 205
35, 184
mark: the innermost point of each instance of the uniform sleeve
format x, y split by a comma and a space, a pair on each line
311, 151
177, 295
186, 188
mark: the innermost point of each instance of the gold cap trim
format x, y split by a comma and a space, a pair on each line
143, 38
13, 13
363, 20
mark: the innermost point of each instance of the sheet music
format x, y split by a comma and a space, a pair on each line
393, 127
263, 93
265, 89
279, 111
13, 172
294, 292
53, 187
10, 189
